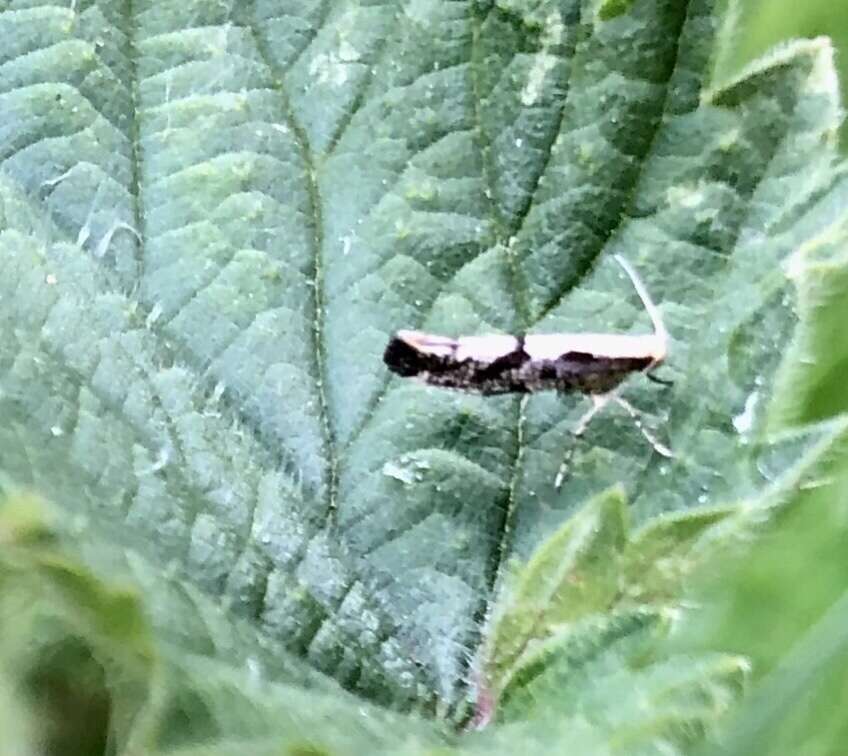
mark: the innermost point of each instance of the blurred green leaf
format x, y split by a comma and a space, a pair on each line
812, 381
213, 215
783, 607
783, 603
754, 26
95, 670
16, 724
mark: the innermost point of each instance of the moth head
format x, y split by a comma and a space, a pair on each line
427, 343
658, 349
410, 353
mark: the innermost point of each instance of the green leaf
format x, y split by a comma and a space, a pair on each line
212, 217
587, 591
589, 616
783, 604
811, 381
97, 671
15, 722
753, 26
573, 574
673, 702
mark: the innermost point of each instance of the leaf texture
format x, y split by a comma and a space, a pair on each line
213, 215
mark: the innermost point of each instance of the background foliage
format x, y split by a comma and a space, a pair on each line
784, 605
760, 24
253, 541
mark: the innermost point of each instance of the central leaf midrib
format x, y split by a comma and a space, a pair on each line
507, 230
499, 560
519, 289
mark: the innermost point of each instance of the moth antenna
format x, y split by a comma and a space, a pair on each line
652, 309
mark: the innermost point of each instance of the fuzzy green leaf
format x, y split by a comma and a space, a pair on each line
812, 380
214, 214
574, 574
606, 606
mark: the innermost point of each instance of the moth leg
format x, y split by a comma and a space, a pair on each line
661, 381
599, 401
659, 448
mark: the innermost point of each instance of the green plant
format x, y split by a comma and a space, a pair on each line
213, 215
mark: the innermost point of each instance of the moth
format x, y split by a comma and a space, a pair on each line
594, 364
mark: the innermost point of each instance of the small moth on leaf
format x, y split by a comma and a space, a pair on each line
590, 363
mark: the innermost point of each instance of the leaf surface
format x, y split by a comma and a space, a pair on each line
213, 215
